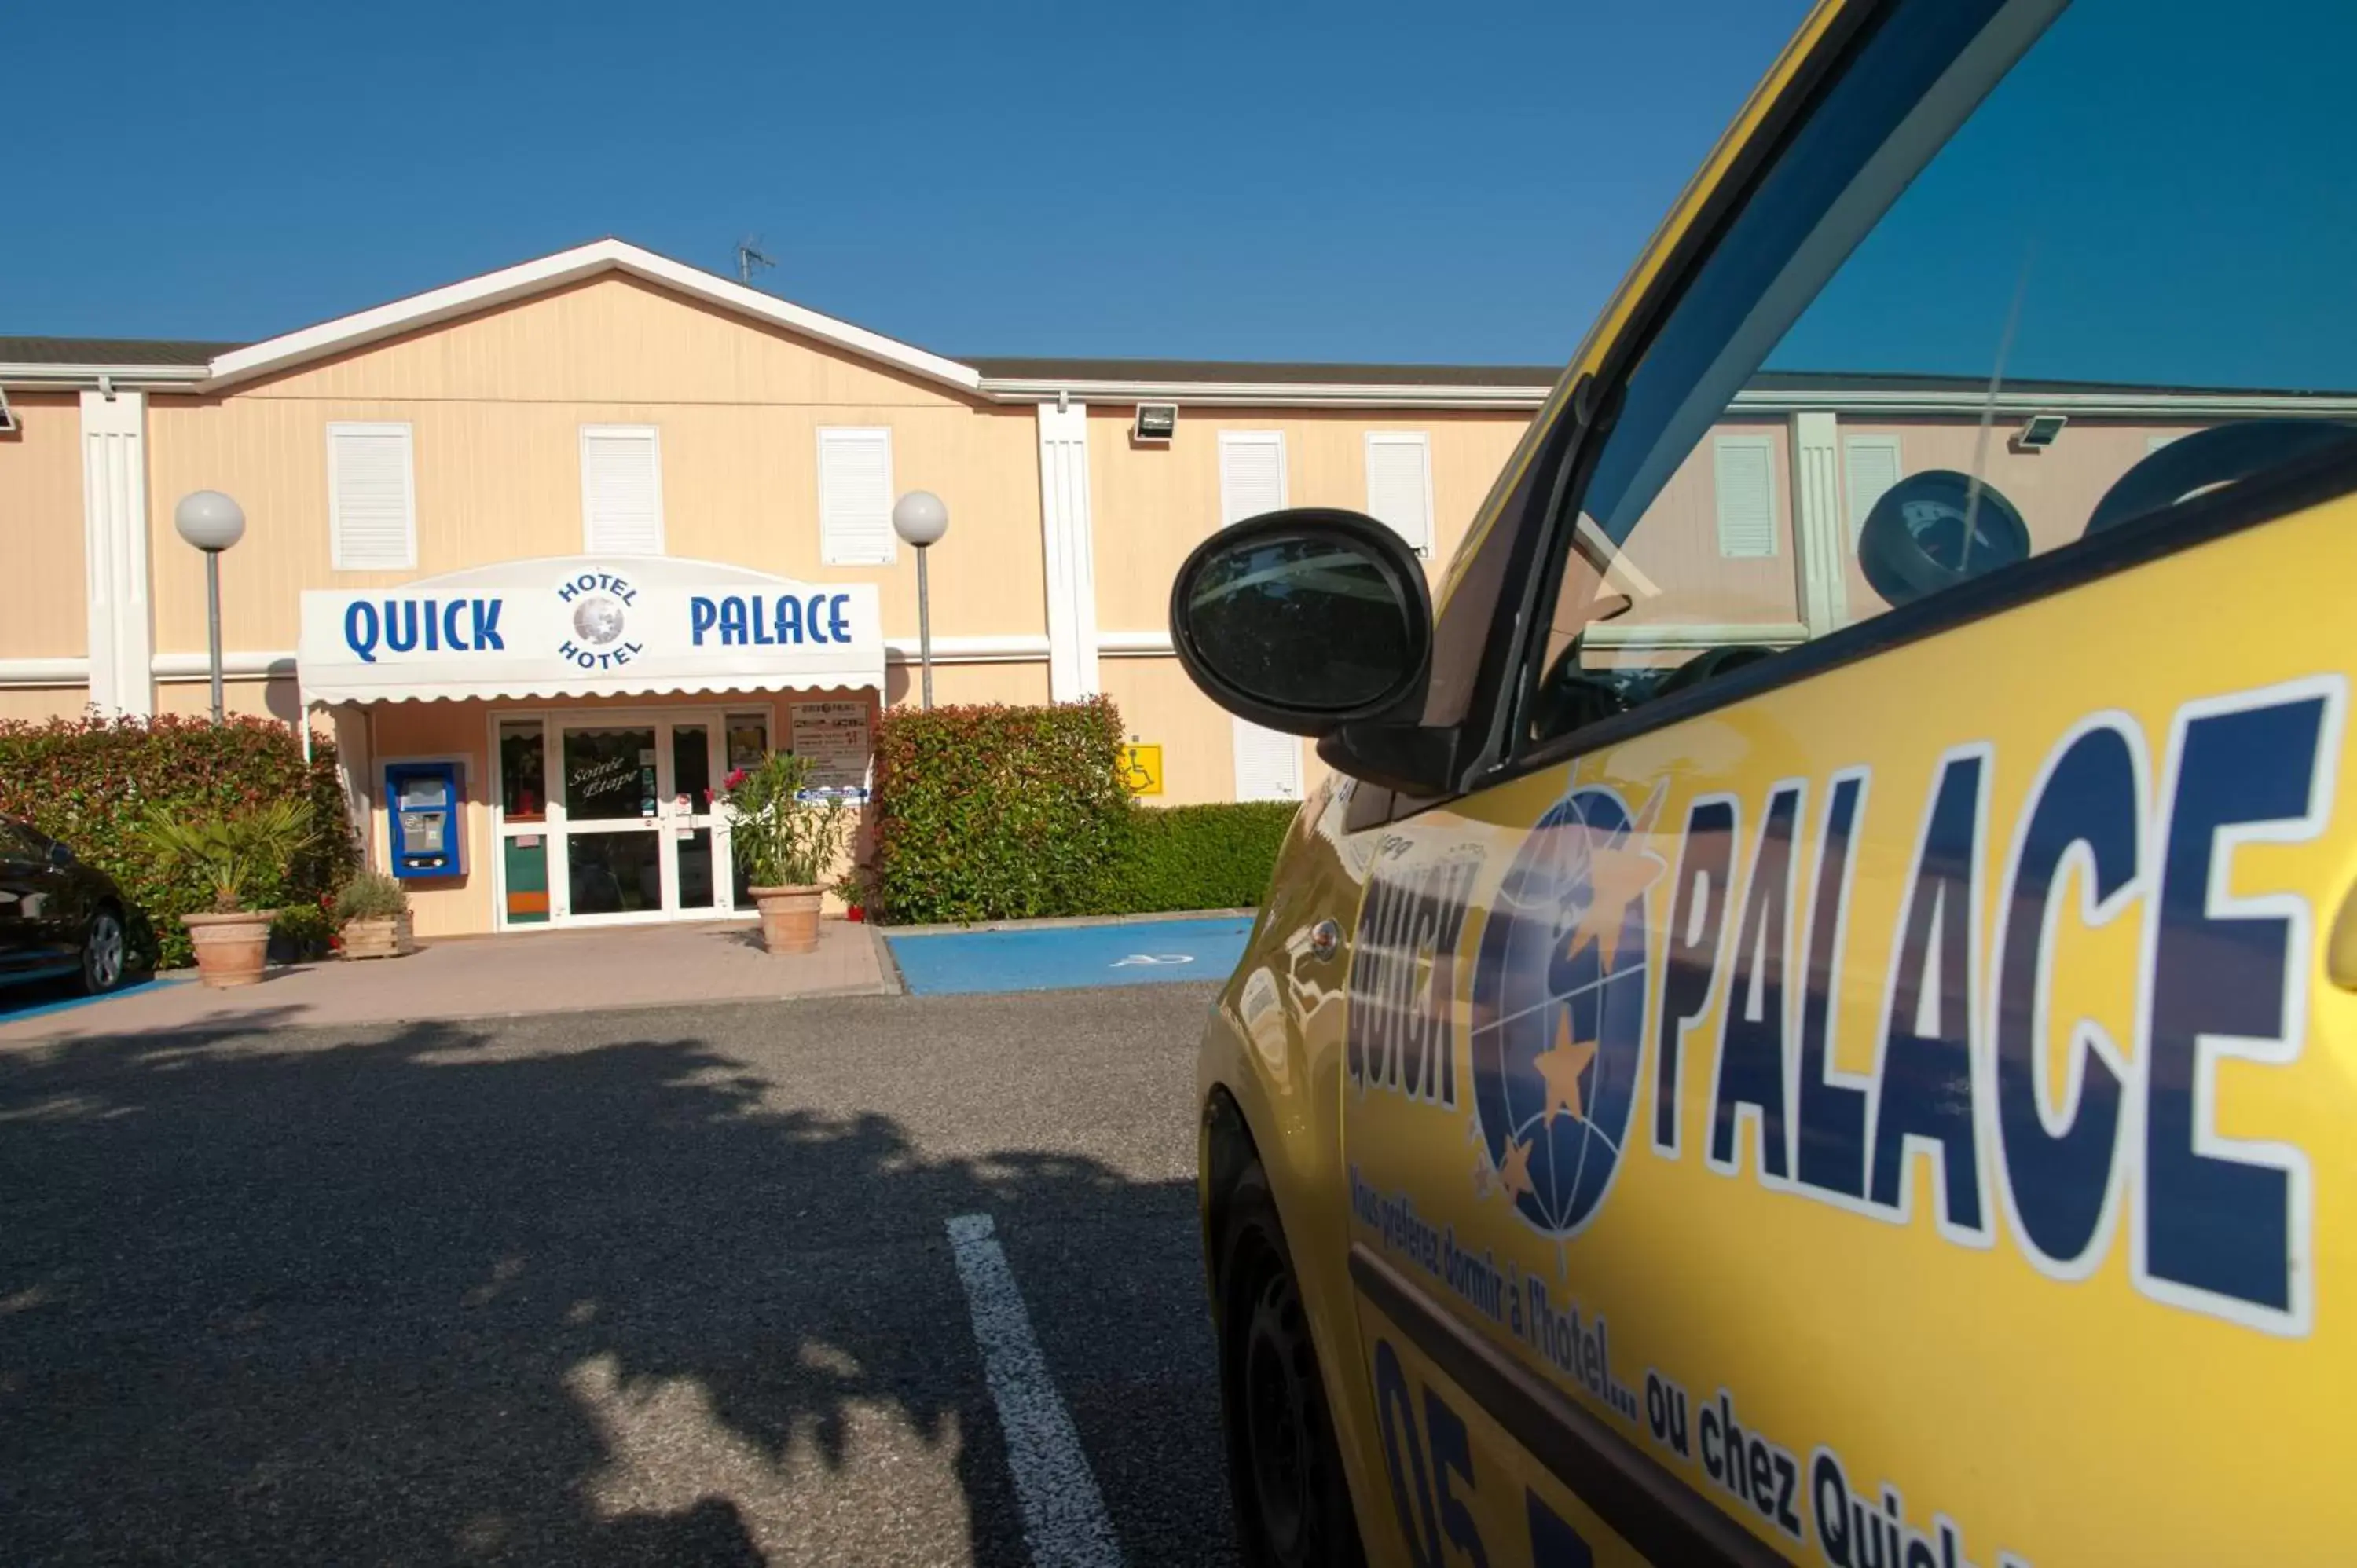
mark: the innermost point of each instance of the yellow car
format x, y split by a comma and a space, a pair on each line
1812, 1019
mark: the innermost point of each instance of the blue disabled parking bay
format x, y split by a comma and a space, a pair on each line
1058, 957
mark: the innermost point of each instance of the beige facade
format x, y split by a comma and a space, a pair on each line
1053, 582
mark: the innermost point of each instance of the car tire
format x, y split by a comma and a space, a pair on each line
1285, 1472
105, 951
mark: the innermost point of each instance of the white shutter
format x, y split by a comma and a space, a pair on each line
621, 491
1744, 468
1268, 764
1251, 474
371, 499
1871, 466
1399, 485
855, 498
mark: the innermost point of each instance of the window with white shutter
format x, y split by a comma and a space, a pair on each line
621, 491
855, 498
1870, 466
1268, 763
1251, 474
371, 499
1745, 469
1399, 485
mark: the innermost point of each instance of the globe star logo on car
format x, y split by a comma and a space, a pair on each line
600, 601
1559, 991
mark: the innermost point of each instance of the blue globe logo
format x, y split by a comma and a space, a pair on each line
1559, 1009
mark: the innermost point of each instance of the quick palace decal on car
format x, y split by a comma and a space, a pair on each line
1621, 971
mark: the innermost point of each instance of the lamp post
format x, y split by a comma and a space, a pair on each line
920, 518
213, 523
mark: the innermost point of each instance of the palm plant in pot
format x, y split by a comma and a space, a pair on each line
235, 855
786, 843
373, 913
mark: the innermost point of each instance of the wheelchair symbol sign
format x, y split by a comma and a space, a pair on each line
1141, 769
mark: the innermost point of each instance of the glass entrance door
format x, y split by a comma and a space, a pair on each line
614, 790
607, 818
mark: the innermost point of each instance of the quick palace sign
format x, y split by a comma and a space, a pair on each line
577, 626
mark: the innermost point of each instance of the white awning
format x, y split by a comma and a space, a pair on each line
587, 626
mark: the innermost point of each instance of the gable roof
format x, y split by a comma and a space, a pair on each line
525, 279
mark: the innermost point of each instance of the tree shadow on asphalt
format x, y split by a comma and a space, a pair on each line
414, 1299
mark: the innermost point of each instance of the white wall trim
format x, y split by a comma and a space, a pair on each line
468, 295
1015, 649
250, 666
115, 548
1067, 546
73, 378
1820, 538
2119, 404
44, 673
1267, 394
1134, 644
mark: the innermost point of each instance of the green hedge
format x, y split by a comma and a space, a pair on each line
89, 782
996, 812
999, 814
1201, 857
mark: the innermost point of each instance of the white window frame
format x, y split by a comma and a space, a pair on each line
1245, 733
1232, 438
653, 434
1855, 443
828, 554
1766, 446
1422, 441
336, 427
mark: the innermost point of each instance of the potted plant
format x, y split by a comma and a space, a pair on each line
787, 842
236, 855
373, 913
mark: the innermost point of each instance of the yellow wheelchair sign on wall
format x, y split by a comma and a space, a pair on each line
1141, 769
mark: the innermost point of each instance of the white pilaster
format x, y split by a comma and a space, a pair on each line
1820, 543
114, 534
1066, 537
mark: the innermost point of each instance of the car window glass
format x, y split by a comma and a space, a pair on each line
2030, 271
19, 842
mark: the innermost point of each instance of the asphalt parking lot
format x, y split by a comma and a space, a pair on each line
734, 1284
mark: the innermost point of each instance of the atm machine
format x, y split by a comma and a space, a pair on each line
424, 800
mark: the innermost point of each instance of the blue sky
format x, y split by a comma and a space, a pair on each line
2171, 195
1337, 181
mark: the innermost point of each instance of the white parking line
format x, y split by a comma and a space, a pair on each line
1064, 1520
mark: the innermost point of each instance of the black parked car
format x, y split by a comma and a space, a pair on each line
58, 916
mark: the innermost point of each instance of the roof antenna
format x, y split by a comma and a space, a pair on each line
749, 255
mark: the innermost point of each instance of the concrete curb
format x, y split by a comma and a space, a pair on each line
886, 964
1061, 923
228, 1026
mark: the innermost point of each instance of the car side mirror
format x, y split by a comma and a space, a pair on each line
59, 855
1304, 621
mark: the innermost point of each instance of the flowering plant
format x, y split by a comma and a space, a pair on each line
780, 838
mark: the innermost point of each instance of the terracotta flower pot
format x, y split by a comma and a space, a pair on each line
387, 936
789, 917
231, 948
